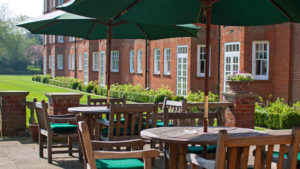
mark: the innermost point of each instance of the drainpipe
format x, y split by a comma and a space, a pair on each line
75, 59
146, 63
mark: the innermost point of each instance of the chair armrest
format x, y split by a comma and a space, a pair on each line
62, 119
62, 115
103, 122
126, 154
125, 143
199, 161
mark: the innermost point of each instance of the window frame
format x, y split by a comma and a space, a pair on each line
156, 62
80, 62
139, 66
45, 39
49, 61
95, 65
60, 62
60, 39
114, 61
131, 61
199, 74
167, 63
73, 62
60, 3
69, 62
260, 77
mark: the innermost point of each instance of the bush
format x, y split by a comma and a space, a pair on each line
199, 97
159, 98
277, 115
46, 78
178, 98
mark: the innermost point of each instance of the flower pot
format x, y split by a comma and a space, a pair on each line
34, 132
239, 86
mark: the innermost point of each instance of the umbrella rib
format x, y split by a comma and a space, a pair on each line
125, 10
119, 23
141, 29
177, 27
92, 30
44, 26
282, 10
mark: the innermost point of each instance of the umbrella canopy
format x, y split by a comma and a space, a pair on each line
63, 23
224, 12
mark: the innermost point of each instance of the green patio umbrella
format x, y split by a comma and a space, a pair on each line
63, 23
221, 12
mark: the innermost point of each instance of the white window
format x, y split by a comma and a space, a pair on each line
73, 62
167, 61
69, 62
60, 62
95, 61
139, 61
60, 39
260, 60
45, 39
60, 2
45, 6
53, 3
53, 38
201, 60
50, 39
71, 39
45, 64
50, 5
131, 62
156, 61
49, 61
79, 62
115, 61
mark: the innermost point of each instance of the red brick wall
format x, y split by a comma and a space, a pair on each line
295, 63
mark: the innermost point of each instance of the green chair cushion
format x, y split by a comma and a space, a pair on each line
63, 127
161, 124
199, 149
119, 164
276, 154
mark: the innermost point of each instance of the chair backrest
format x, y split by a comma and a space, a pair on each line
42, 114
130, 119
103, 102
174, 106
81, 144
236, 150
183, 118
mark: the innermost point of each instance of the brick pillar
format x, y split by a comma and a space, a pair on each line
241, 113
13, 112
58, 103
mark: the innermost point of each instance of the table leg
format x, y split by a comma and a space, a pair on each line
182, 156
89, 120
173, 161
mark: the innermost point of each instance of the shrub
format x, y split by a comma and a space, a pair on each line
178, 98
238, 76
199, 97
46, 78
159, 98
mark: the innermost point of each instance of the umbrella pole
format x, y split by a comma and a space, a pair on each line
108, 59
207, 51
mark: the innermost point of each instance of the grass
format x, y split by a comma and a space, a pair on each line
259, 128
33, 68
36, 90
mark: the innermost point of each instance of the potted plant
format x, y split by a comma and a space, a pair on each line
239, 82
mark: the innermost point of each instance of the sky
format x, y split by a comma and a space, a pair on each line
31, 8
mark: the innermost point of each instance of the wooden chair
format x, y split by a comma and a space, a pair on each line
103, 102
54, 127
128, 121
233, 152
108, 159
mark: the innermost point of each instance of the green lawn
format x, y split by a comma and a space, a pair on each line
36, 90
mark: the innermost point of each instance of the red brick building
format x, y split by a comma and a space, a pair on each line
270, 53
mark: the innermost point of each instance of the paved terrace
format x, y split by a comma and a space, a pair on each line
22, 153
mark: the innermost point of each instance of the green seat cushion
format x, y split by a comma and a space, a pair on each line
199, 149
63, 127
119, 164
276, 154
161, 124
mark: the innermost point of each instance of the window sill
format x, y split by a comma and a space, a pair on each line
139, 73
156, 74
167, 75
95, 70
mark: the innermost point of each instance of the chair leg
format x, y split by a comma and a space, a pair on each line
166, 160
41, 145
152, 145
80, 151
70, 145
49, 147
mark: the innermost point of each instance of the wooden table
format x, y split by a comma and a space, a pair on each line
90, 113
178, 139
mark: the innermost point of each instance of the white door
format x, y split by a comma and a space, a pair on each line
86, 68
182, 63
53, 66
231, 60
102, 68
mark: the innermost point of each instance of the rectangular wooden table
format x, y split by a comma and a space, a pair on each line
178, 139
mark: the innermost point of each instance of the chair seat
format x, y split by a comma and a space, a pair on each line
119, 164
276, 154
63, 128
199, 149
161, 124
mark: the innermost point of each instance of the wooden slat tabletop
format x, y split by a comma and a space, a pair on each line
89, 109
195, 135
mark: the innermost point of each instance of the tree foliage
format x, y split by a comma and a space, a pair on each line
15, 43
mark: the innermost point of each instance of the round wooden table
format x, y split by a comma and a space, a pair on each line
178, 139
90, 114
